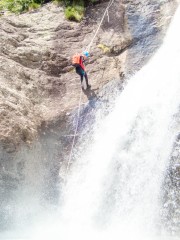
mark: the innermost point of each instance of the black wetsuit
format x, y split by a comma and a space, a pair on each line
82, 73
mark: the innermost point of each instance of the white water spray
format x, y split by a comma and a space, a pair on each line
113, 191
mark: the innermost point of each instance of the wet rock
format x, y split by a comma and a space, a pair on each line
171, 197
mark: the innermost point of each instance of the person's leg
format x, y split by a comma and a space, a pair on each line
79, 72
81, 78
82, 74
86, 77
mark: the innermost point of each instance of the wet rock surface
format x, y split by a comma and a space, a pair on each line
147, 21
171, 197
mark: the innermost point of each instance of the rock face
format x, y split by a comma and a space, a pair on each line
38, 83
40, 91
171, 197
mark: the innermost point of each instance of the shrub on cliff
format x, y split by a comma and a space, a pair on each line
74, 13
74, 9
19, 6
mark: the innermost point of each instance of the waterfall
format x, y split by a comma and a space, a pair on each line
114, 189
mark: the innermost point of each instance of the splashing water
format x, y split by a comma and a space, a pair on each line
113, 190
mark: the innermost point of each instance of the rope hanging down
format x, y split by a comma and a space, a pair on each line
79, 106
106, 12
75, 132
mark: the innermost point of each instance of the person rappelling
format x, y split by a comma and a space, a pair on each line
78, 62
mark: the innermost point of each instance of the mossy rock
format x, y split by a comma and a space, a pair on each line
104, 48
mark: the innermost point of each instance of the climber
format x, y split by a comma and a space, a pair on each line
78, 63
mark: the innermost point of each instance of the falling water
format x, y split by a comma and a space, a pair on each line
114, 189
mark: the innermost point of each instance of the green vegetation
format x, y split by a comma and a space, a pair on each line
78, 2
104, 48
19, 6
74, 9
74, 13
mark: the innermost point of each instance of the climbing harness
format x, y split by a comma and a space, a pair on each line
80, 98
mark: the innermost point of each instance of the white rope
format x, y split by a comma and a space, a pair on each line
75, 132
79, 107
108, 15
106, 12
